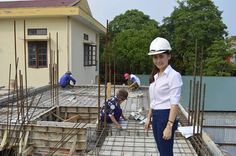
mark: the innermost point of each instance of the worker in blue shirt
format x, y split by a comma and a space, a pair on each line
65, 80
112, 108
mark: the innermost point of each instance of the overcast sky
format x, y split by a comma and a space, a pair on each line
104, 10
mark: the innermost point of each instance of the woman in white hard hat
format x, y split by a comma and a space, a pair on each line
164, 91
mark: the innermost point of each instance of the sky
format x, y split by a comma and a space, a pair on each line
104, 10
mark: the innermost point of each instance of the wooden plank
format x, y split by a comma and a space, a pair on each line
73, 118
43, 113
28, 151
57, 116
72, 150
59, 124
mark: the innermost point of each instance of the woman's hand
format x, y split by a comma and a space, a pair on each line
167, 133
147, 124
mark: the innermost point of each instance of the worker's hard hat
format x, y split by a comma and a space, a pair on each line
159, 45
126, 76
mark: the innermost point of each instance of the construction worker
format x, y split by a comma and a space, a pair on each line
164, 92
133, 81
65, 80
112, 109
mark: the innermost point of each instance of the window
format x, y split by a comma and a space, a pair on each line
86, 37
90, 55
37, 54
42, 31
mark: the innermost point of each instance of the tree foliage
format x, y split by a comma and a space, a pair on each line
193, 26
218, 60
196, 21
130, 35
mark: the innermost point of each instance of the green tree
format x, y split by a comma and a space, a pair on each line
195, 21
218, 60
130, 35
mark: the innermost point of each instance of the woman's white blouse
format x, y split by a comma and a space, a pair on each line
166, 89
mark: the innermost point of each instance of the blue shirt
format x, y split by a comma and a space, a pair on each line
113, 108
65, 80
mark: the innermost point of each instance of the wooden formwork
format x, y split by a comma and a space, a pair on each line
47, 135
85, 114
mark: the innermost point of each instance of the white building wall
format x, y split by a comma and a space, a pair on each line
83, 74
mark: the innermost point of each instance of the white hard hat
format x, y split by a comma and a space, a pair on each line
159, 45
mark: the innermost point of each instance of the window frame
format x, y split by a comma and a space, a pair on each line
36, 31
90, 55
37, 54
86, 37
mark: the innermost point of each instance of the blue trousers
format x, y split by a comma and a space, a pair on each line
117, 115
159, 122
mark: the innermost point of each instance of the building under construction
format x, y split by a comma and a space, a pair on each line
54, 121
49, 120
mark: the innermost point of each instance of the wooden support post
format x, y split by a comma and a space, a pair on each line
108, 90
4, 140
25, 140
21, 142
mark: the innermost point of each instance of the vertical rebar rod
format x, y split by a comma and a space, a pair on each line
189, 104
109, 66
53, 100
194, 80
50, 57
106, 47
196, 108
203, 106
26, 81
99, 85
57, 77
8, 99
200, 93
114, 75
57, 74
21, 94
22, 112
50, 68
16, 68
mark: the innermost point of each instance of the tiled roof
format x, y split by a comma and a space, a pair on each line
37, 3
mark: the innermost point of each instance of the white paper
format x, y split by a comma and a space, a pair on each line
187, 131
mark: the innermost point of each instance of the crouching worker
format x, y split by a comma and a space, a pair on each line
113, 111
133, 81
65, 80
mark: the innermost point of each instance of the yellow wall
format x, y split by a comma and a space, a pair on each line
36, 76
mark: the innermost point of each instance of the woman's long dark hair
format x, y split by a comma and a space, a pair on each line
155, 70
